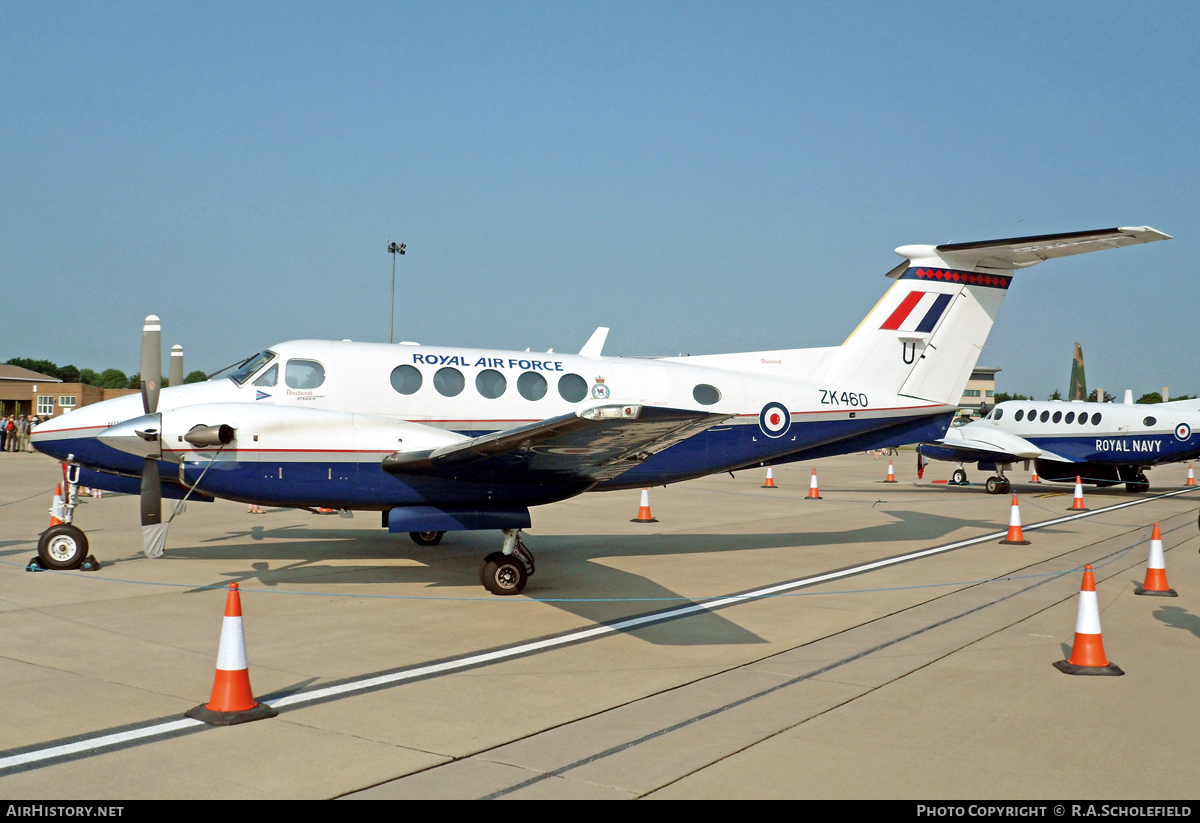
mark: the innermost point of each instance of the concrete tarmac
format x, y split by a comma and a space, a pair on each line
929, 679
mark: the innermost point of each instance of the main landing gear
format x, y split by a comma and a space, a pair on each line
64, 546
507, 571
426, 538
1141, 484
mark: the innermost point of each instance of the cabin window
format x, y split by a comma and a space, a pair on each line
531, 385
1096, 419
1032, 415
1057, 416
1083, 418
1149, 421
1070, 418
304, 374
706, 395
997, 414
1045, 416
572, 388
1019, 416
269, 378
490, 383
406, 379
449, 381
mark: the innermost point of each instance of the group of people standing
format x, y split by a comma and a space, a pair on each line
14, 432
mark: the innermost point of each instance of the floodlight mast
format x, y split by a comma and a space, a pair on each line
394, 248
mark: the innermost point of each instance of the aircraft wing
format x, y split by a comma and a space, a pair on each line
1020, 252
974, 442
593, 444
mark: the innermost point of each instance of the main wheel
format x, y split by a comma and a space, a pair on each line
960, 476
994, 485
62, 547
1005, 485
1141, 484
426, 538
503, 573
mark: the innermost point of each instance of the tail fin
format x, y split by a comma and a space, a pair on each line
1078, 388
923, 338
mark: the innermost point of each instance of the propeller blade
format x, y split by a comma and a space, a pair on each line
151, 363
921, 463
154, 531
175, 370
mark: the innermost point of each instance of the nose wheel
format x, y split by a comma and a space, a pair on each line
62, 547
506, 572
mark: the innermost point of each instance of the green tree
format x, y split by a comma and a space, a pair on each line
1150, 397
1056, 396
1003, 396
90, 377
112, 379
1108, 398
68, 374
135, 381
195, 377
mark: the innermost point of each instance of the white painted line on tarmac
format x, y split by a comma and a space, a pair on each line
342, 689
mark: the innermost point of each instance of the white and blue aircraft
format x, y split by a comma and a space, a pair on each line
1101, 443
442, 438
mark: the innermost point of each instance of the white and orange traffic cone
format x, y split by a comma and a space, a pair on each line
891, 478
814, 493
1087, 654
770, 484
1191, 481
232, 701
1034, 478
1077, 502
1155, 584
1015, 537
644, 515
57, 511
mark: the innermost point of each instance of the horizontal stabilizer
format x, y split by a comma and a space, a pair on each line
595, 344
1021, 252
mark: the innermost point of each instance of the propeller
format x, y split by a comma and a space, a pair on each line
154, 531
921, 463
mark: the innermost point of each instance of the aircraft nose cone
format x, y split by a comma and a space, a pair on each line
139, 436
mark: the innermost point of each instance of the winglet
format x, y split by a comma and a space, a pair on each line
595, 343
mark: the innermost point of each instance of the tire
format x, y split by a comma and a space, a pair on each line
426, 538
993, 486
1005, 487
62, 547
503, 574
960, 476
1141, 484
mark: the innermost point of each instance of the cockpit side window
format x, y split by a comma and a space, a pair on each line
269, 378
249, 367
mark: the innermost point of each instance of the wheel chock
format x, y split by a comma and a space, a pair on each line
90, 564
35, 565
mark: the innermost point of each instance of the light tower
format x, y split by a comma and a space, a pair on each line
394, 248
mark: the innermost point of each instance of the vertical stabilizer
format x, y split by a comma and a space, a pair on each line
1078, 388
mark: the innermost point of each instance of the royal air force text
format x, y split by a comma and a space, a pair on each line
487, 362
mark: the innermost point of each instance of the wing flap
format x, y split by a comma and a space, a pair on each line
594, 444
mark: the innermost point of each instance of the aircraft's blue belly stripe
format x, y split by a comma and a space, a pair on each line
1140, 449
342, 484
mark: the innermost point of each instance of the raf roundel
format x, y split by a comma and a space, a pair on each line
1183, 432
774, 420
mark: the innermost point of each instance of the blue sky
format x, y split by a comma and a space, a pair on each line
701, 177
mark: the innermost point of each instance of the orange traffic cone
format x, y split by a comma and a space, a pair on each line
1015, 537
1034, 478
891, 478
1077, 503
56, 508
1156, 570
644, 515
813, 492
1191, 481
770, 484
232, 701
1087, 655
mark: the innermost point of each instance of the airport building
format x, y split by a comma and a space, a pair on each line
978, 396
25, 392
